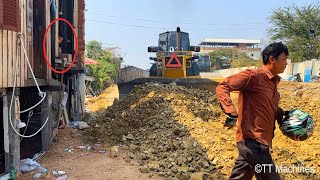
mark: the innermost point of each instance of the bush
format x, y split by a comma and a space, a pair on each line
246, 63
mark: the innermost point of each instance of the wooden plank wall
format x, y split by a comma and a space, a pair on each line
11, 60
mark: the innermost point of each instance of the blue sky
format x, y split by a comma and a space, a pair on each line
132, 26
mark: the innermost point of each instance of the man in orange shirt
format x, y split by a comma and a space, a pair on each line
257, 111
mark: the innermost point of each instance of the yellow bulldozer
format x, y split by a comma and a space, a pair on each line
174, 62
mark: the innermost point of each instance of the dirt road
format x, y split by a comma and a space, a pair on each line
86, 165
80, 164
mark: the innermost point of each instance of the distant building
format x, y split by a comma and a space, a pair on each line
250, 47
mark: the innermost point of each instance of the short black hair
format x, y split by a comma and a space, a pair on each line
274, 49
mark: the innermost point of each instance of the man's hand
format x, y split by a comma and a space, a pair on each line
280, 114
231, 120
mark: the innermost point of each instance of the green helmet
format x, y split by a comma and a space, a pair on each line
297, 125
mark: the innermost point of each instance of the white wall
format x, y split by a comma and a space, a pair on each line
291, 69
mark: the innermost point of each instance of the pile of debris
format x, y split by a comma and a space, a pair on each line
177, 132
151, 122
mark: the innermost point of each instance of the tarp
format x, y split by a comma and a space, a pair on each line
89, 61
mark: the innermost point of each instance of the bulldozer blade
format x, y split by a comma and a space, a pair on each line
201, 83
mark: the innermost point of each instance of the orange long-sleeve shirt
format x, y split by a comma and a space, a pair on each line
257, 103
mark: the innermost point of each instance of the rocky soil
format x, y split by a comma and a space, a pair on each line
178, 133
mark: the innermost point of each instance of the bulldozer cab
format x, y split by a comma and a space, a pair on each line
174, 57
168, 41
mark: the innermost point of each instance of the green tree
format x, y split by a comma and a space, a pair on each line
106, 72
220, 58
94, 49
299, 28
243, 60
102, 73
225, 58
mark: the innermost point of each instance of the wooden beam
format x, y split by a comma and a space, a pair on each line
72, 95
57, 29
27, 37
13, 158
75, 19
23, 63
65, 116
46, 69
1, 60
10, 60
41, 82
47, 131
82, 91
15, 60
6, 132
26, 67
14, 137
5, 58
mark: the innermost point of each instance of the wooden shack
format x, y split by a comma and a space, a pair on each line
22, 27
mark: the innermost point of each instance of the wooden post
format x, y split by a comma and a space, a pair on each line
11, 139
57, 29
72, 113
76, 95
1, 59
82, 92
6, 131
5, 58
46, 112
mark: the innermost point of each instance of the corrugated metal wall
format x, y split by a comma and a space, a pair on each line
130, 73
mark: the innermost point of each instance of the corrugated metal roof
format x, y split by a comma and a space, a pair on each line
244, 41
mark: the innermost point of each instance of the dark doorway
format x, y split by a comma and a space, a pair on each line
2, 159
39, 27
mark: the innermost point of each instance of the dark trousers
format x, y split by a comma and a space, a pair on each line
254, 159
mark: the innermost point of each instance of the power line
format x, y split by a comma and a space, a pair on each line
141, 26
102, 43
138, 19
128, 25
191, 23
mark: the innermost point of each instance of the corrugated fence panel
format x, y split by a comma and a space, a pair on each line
131, 73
